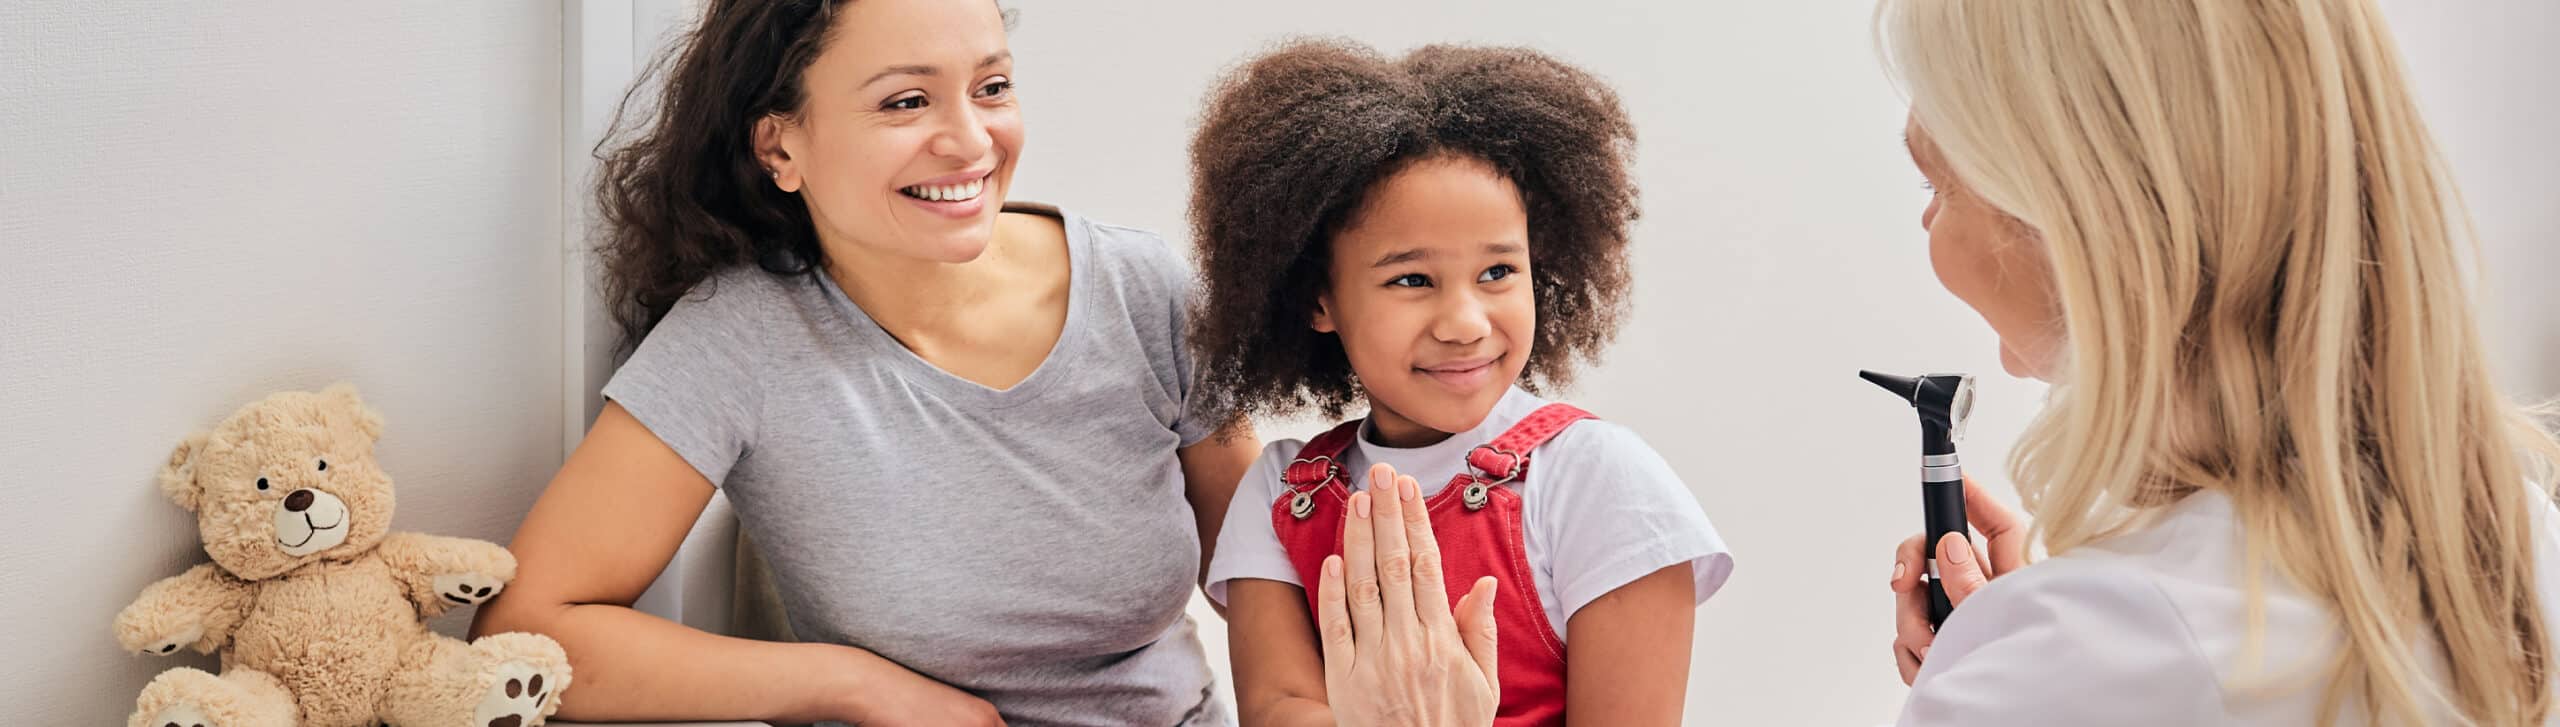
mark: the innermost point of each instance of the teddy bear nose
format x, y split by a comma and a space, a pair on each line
299, 501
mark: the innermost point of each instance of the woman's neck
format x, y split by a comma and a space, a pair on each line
910, 297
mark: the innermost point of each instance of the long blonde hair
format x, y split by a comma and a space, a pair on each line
2257, 253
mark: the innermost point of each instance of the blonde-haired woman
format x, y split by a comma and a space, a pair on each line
2276, 481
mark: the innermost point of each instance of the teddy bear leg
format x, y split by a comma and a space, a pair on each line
187, 697
501, 680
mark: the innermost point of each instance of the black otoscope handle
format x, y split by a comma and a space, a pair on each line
1943, 505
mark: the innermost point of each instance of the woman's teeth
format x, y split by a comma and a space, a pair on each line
962, 192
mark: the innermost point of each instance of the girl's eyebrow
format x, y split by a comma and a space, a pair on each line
1412, 254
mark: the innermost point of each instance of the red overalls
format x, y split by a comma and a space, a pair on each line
1477, 523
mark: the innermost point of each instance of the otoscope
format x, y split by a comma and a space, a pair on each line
1943, 400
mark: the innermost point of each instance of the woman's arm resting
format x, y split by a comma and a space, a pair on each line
1627, 653
601, 532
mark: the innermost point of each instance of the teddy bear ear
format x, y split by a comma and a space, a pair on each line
343, 396
178, 477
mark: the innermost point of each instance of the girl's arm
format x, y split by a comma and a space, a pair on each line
1627, 653
599, 535
1272, 641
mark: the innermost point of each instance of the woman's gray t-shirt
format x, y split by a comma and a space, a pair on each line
1031, 545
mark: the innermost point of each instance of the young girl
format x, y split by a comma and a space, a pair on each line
1423, 235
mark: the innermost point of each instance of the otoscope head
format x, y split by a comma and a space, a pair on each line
1943, 400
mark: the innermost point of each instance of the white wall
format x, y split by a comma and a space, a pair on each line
1780, 251
201, 203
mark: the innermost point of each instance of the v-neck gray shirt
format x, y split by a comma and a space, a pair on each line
1029, 545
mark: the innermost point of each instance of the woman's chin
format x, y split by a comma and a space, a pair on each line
2018, 366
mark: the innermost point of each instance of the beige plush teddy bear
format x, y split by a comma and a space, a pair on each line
317, 607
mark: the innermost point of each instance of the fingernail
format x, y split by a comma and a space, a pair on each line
1360, 504
1961, 552
1333, 566
1406, 489
1897, 571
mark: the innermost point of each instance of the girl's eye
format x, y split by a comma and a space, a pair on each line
904, 103
1497, 272
1412, 280
998, 88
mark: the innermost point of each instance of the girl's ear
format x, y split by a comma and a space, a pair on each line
1323, 320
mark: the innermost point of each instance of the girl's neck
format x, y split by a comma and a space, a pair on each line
1390, 429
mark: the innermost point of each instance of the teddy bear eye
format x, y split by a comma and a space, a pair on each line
262, 483
324, 465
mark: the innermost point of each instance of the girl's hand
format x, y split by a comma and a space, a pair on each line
2006, 532
1394, 653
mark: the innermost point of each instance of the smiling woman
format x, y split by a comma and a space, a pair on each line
835, 318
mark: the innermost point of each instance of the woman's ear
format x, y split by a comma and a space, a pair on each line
1323, 320
771, 154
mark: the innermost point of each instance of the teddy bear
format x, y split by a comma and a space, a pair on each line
317, 607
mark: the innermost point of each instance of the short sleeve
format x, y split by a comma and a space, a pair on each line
1196, 422
1247, 546
1611, 511
2065, 642
691, 383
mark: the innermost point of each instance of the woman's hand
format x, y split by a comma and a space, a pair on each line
888, 695
2005, 531
1394, 653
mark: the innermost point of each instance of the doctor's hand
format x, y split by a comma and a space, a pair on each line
2005, 532
1394, 653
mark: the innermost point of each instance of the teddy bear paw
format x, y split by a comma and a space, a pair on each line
181, 715
517, 698
172, 644
467, 589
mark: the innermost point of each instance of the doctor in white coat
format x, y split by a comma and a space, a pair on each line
2274, 479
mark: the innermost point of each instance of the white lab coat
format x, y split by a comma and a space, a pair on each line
2150, 629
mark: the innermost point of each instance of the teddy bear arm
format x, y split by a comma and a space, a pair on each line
192, 610
440, 573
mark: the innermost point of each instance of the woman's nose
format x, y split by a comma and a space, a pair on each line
964, 135
1929, 215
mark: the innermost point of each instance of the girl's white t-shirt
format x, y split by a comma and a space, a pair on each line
1599, 509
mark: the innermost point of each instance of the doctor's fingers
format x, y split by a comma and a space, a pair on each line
1908, 564
2005, 529
1959, 568
1911, 634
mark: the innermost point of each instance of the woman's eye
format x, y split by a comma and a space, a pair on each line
904, 103
996, 89
1928, 185
1497, 272
1413, 280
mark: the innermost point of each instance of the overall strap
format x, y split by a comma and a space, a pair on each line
1506, 458
1321, 460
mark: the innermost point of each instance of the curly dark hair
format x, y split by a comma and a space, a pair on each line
1288, 149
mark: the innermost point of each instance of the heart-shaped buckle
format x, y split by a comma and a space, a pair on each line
1516, 462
